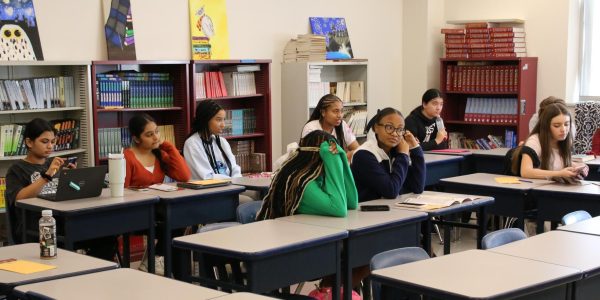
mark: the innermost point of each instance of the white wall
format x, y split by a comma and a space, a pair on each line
257, 29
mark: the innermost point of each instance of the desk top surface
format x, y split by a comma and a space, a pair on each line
186, 193
468, 274
440, 158
591, 226
594, 162
129, 198
120, 284
243, 296
487, 180
497, 152
588, 187
67, 264
360, 220
255, 182
262, 237
575, 250
479, 200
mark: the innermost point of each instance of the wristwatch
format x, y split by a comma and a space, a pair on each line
46, 176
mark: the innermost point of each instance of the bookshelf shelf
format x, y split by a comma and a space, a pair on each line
139, 78
232, 97
300, 91
469, 91
54, 154
255, 108
45, 110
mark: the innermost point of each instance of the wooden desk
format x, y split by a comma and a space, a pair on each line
441, 166
479, 274
369, 233
510, 199
84, 219
574, 250
188, 207
118, 284
478, 205
556, 200
67, 264
260, 184
594, 165
591, 226
276, 253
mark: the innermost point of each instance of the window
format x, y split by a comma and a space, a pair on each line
590, 63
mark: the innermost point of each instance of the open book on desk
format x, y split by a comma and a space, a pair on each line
430, 202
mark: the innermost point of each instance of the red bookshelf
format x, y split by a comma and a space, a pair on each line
512, 78
260, 101
177, 115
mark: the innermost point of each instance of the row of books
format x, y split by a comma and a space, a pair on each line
37, 93
113, 140
242, 146
347, 91
12, 141
492, 110
252, 163
134, 90
457, 140
484, 42
356, 120
2, 190
482, 78
306, 47
222, 84
239, 122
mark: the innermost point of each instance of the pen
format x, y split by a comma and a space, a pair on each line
523, 180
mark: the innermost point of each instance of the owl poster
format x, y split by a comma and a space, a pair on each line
337, 39
118, 30
208, 29
18, 31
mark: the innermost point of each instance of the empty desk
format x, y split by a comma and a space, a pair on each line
574, 250
479, 274
276, 254
84, 219
556, 200
67, 264
441, 166
591, 226
369, 233
118, 284
510, 200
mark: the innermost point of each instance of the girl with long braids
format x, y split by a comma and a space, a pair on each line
328, 116
315, 179
390, 160
150, 158
207, 154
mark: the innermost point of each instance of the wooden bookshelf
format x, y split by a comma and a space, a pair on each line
178, 115
259, 101
522, 92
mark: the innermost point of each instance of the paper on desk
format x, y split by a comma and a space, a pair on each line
25, 267
507, 180
164, 187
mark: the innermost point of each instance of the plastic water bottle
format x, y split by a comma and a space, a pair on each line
439, 123
47, 235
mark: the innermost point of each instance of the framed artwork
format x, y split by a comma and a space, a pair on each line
337, 39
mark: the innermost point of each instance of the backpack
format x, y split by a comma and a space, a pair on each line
508, 157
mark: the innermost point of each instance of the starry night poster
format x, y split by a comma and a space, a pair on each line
20, 39
337, 39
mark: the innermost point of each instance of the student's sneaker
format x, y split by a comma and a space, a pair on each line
159, 265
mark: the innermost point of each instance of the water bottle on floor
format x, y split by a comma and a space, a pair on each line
47, 235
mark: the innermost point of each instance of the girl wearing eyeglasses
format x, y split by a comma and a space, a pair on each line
390, 160
425, 121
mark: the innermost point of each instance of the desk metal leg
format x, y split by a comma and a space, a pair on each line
347, 270
539, 225
150, 241
482, 228
126, 251
447, 239
167, 248
427, 236
337, 282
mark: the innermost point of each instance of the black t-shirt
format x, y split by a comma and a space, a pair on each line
20, 175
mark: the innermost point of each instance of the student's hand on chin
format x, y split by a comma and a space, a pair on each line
411, 139
333, 147
403, 146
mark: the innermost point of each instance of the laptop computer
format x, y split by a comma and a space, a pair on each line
78, 183
204, 184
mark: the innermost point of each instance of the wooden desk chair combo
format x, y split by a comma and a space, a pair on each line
575, 217
502, 237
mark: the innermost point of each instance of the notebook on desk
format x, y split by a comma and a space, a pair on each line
203, 184
77, 184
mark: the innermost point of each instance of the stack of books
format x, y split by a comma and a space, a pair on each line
307, 47
134, 90
482, 77
356, 120
12, 139
457, 140
37, 93
236, 80
484, 40
246, 158
491, 110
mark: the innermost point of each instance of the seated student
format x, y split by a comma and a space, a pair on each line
542, 106
315, 179
547, 151
422, 121
389, 160
328, 116
207, 154
30, 176
150, 158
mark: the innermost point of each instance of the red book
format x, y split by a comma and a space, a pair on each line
457, 55
507, 29
506, 45
477, 25
479, 35
222, 84
209, 93
477, 30
453, 30
507, 35
449, 77
509, 50
507, 40
508, 54
457, 50
455, 36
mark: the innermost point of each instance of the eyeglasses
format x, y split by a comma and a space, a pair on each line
391, 129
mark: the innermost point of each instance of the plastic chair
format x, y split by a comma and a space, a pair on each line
576, 216
502, 237
246, 212
393, 258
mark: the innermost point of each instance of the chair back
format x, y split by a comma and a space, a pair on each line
246, 212
502, 237
393, 258
576, 216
